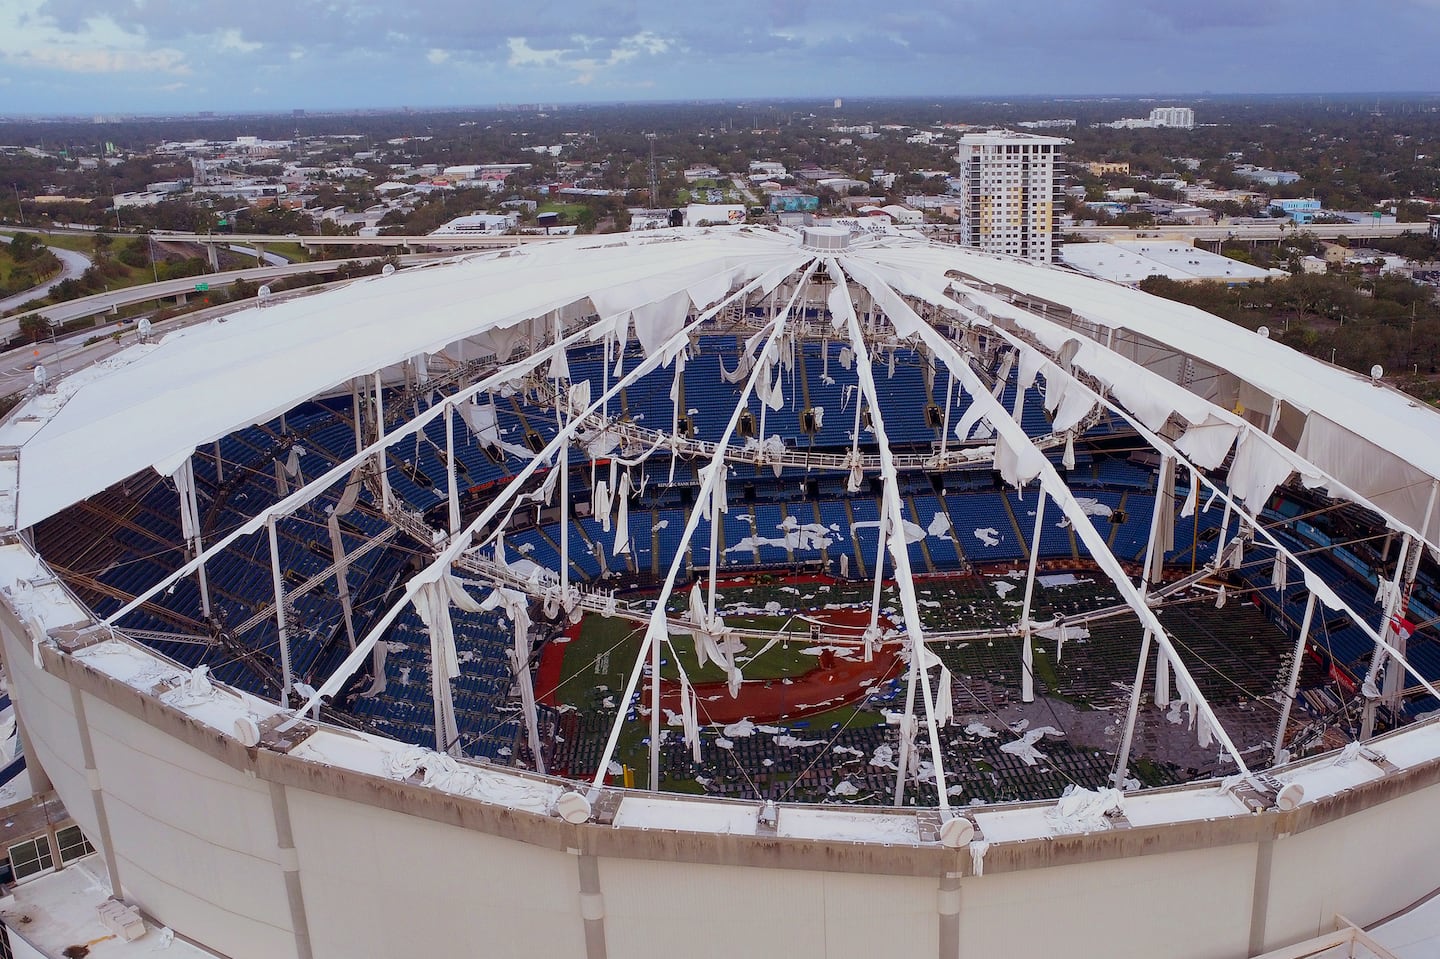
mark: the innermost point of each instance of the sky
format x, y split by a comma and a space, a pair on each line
169, 56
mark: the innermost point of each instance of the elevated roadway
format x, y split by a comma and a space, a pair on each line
113, 300
1248, 231
259, 240
17, 366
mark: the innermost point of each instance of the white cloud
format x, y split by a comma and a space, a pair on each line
28, 38
233, 40
524, 55
590, 56
437, 56
93, 60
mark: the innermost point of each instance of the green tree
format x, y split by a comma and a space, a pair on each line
34, 328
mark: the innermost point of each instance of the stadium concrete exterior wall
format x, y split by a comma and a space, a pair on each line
255, 853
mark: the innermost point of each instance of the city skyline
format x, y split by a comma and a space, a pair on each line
155, 56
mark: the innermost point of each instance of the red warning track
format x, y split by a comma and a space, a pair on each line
833, 683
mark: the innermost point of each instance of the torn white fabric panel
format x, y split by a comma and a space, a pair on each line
1148, 406
1084, 810
968, 419
578, 396
432, 604
602, 506
1207, 444
1074, 406
1002, 375
656, 322
1018, 467
688, 716
1384, 476
711, 289
1193, 496
185, 485
378, 682
622, 517
559, 366
945, 698
1031, 362
743, 365
1024, 747
977, 857
1256, 471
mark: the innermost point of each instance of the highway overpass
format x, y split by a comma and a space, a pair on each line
113, 300
1248, 231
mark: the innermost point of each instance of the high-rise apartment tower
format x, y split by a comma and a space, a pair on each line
1009, 193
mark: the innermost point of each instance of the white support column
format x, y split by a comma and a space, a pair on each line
219, 464
190, 521
1293, 682
907, 734
200, 574
1151, 543
1224, 532
562, 399
879, 570
279, 581
451, 473
654, 711
715, 521
1122, 758
356, 412
1027, 648
1163, 484
1377, 658
949, 405
385, 498
605, 379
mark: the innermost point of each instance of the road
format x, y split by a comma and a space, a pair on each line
98, 303
17, 367
1184, 234
271, 259
73, 265
471, 241
1248, 231
744, 189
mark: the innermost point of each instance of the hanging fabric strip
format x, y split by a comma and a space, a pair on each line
622, 517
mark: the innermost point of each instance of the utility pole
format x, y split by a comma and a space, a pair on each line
19, 207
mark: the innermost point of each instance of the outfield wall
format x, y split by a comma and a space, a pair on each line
258, 852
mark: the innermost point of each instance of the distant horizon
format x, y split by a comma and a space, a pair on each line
147, 58
816, 100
